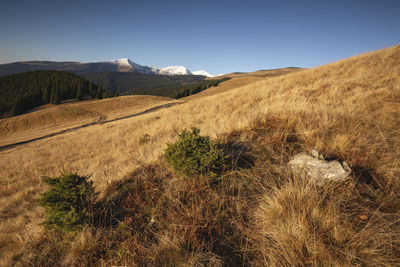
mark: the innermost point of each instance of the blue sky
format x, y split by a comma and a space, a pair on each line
219, 36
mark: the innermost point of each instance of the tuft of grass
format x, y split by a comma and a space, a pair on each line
144, 139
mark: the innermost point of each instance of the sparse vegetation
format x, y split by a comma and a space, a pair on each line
144, 139
193, 154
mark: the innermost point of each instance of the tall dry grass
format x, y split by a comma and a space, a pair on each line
302, 224
347, 110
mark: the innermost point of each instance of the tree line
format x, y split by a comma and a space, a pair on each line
181, 90
190, 89
133, 83
23, 91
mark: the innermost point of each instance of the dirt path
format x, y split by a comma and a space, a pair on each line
100, 121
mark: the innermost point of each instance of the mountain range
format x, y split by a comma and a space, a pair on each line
118, 65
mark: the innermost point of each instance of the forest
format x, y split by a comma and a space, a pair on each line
23, 91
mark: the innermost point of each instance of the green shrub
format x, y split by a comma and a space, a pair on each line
194, 154
68, 202
144, 139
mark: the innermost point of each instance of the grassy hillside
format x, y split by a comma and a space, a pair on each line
260, 73
258, 213
49, 119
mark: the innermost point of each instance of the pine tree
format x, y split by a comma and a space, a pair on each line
57, 97
45, 96
79, 92
91, 89
52, 96
99, 92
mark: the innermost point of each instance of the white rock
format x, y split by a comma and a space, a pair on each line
318, 169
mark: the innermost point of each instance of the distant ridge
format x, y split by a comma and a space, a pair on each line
117, 65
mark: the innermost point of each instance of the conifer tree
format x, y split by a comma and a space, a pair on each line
57, 97
79, 92
99, 92
45, 96
52, 96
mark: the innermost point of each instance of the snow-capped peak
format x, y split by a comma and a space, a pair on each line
122, 62
174, 70
203, 73
127, 65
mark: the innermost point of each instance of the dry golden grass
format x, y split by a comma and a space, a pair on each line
259, 73
347, 110
240, 80
50, 119
224, 87
302, 224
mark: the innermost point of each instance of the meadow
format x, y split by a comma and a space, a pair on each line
347, 110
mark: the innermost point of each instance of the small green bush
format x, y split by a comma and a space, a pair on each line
144, 139
194, 154
68, 202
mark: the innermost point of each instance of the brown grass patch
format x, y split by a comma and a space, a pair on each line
301, 224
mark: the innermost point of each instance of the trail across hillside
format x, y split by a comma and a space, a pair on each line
99, 121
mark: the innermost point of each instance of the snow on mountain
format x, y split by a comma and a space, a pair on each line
202, 72
174, 70
121, 62
126, 65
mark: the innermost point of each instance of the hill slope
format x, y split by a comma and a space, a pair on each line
240, 80
347, 110
261, 73
49, 119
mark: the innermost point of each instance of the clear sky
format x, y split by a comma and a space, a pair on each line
219, 36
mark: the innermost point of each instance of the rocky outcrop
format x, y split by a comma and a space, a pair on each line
316, 167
